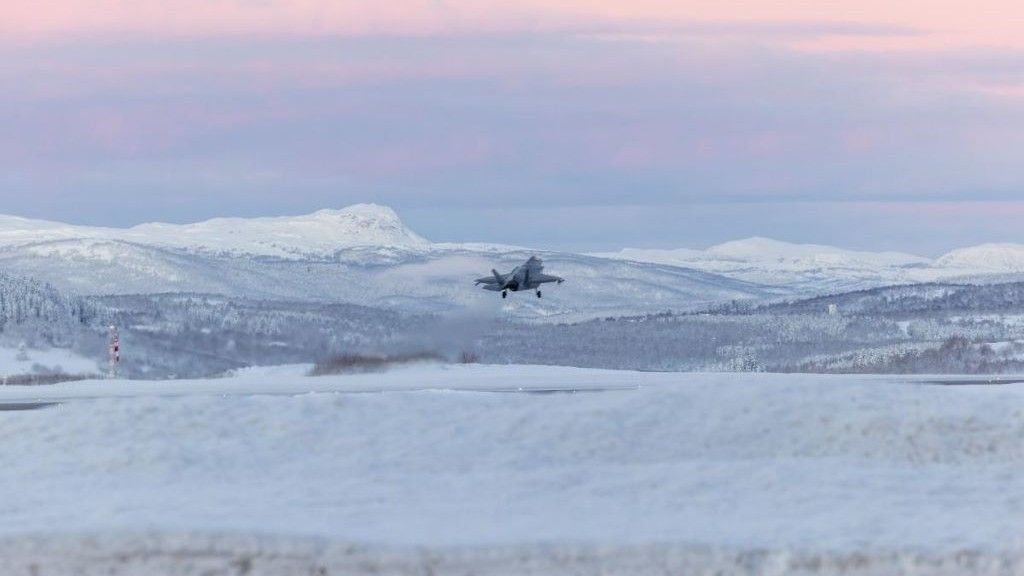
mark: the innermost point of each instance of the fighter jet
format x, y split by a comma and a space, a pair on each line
527, 276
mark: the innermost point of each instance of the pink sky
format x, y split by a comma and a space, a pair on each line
188, 109
941, 24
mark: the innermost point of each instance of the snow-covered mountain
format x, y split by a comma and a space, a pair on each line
362, 254
365, 255
316, 235
321, 234
997, 258
812, 268
808, 255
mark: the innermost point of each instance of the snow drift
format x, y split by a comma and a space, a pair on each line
686, 473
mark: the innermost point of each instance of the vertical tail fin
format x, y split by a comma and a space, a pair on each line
498, 277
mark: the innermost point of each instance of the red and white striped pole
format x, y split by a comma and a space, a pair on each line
115, 353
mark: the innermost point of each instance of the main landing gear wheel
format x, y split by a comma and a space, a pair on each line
538, 293
504, 294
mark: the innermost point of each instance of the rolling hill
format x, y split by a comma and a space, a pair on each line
362, 254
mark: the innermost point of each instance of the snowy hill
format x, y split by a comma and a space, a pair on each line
25, 301
317, 235
321, 234
362, 254
1001, 258
812, 268
805, 268
766, 249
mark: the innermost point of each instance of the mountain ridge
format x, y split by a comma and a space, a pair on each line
778, 263
324, 232
364, 254
319, 234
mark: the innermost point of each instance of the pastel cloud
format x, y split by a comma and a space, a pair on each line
948, 23
301, 17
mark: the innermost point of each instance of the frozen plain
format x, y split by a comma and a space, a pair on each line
450, 469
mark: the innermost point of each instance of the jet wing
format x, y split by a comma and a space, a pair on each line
486, 280
545, 278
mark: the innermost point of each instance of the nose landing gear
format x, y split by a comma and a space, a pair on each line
504, 293
538, 293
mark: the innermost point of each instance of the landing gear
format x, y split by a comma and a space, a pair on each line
504, 294
538, 293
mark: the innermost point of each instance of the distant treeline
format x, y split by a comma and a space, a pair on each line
927, 328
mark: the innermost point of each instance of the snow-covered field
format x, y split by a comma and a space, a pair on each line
14, 361
454, 470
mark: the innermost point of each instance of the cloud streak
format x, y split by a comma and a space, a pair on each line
853, 24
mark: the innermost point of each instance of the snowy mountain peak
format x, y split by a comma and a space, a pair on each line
759, 248
319, 234
1004, 257
366, 211
18, 223
778, 263
370, 225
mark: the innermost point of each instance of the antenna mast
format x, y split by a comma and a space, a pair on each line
115, 353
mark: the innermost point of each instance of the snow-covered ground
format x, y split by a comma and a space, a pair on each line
449, 469
14, 361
